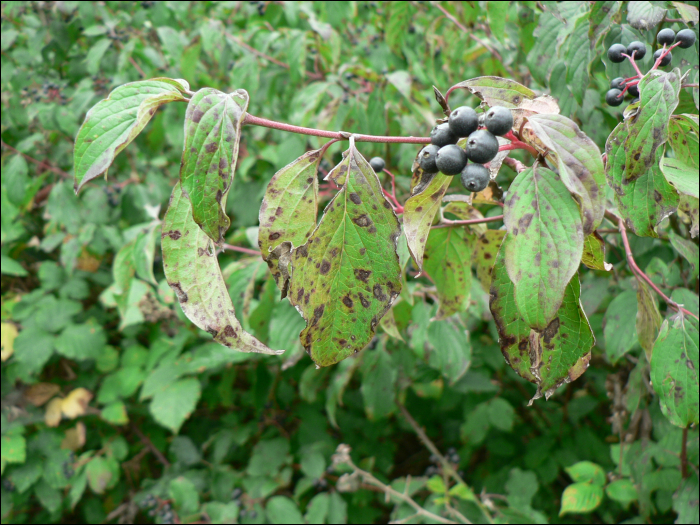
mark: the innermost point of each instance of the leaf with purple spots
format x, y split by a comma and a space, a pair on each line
212, 135
347, 275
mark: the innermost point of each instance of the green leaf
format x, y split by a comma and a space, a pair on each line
378, 378
447, 260
80, 342
192, 271
594, 253
618, 329
685, 501
338, 512
222, 512
144, 253
674, 369
436, 485
579, 162
580, 498
577, 58
95, 54
24, 476
449, 349
14, 448
586, 472
497, 14
648, 318
280, 509
347, 275
115, 413
543, 56
212, 135
644, 15
317, 509
288, 214
33, 348
172, 405
682, 176
397, 20
99, 474
544, 248
688, 249
113, 123
683, 138
522, 485
9, 266
497, 91
184, 495
485, 251
558, 355
419, 212
77, 489
48, 496
603, 15
622, 491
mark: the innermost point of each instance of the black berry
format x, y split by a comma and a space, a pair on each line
463, 121
615, 53
686, 37
613, 98
475, 177
617, 83
633, 90
665, 37
498, 120
482, 146
377, 164
426, 158
638, 48
442, 136
666, 60
451, 159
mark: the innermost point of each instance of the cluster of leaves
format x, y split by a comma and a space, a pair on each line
115, 406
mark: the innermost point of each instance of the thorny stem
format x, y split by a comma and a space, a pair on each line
446, 223
637, 271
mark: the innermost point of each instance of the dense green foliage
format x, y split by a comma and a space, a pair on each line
117, 404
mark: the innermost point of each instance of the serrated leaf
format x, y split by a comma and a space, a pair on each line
594, 253
579, 162
14, 448
544, 248
448, 350
580, 498
347, 275
447, 260
644, 15
192, 271
113, 123
419, 213
648, 319
485, 251
622, 490
173, 404
674, 369
212, 135
497, 91
288, 214
587, 472
558, 355
184, 495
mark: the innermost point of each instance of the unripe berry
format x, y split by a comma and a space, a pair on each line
617, 83
451, 159
377, 164
638, 48
665, 37
613, 98
498, 120
463, 121
666, 60
615, 53
475, 177
482, 146
442, 136
426, 158
686, 37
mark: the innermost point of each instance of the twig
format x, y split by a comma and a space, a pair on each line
684, 454
42, 163
138, 68
157, 453
634, 64
240, 249
447, 223
515, 164
342, 456
636, 270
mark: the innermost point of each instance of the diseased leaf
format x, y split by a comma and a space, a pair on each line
674, 369
447, 259
603, 16
388, 324
558, 355
648, 318
288, 214
497, 91
347, 275
683, 138
588, 472
682, 176
688, 211
113, 123
544, 249
212, 134
192, 271
594, 253
579, 162
418, 215
618, 329
644, 15
485, 251
580, 498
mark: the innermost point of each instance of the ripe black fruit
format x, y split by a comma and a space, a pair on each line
615, 53
463, 121
666, 37
482, 146
475, 177
498, 120
617, 83
451, 159
633, 90
613, 98
442, 136
666, 60
686, 37
426, 158
638, 48
377, 164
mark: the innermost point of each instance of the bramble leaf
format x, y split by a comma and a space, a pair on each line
192, 271
347, 275
544, 249
212, 134
580, 498
113, 123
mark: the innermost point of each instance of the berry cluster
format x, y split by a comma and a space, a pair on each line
444, 155
451, 456
637, 50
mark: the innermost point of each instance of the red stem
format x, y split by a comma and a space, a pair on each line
662, 55
446, 223
634, 64
240, 249
393, 183
515, 164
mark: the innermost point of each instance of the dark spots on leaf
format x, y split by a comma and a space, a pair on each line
372, 229
197, 115
657, 196
219, 196
554, 264
355, 198
538, 258
379, 293
318, 312
300, 294
309, 180
690, 365
347, 301
278, 211
363, 300
385, 204
229, 331
419, 208
276, 235
551, 331
303, 250
362, 221
362, 275
325, 267
342, 342
211, 147
363, 251
211, 330
181, 295
173, 234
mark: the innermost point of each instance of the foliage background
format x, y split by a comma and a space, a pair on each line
106, 398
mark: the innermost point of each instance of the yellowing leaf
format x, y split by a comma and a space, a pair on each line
40, 393
53, 414
75, 437
8, 335
75, 403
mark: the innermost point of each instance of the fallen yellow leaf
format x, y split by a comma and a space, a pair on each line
76, 402
75, 437
9, 332
52, 417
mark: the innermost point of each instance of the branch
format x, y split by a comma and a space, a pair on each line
637, 271
342, 456
42, 163
339, 135
157, 453
684, 454
447, 223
